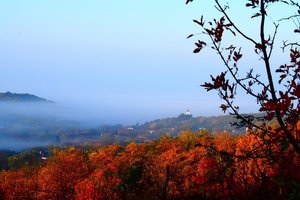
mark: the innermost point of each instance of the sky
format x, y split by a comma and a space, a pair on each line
124, 61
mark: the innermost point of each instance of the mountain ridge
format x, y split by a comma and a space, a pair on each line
24, 97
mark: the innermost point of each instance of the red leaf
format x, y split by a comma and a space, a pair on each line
197, 50
188, 1
190, 36
258, 46
270, 116
237, 56
296, 91
256, 15
199, 23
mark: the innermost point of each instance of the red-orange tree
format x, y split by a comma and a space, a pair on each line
277, 101
191, 166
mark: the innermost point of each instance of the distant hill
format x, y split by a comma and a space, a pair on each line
173, 126
14, 97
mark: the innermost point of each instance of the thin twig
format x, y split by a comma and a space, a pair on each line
230, 69
233, 24
273, 40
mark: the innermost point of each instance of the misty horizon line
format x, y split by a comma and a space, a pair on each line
44, 109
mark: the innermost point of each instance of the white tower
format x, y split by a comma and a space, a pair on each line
188, 112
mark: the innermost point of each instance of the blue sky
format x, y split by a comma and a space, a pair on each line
127, 60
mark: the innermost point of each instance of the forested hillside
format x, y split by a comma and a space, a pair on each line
15, 97
29, 131
192, 166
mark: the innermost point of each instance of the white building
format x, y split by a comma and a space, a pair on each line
188, 112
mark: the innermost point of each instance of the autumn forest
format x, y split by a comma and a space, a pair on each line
192, 166
260, 162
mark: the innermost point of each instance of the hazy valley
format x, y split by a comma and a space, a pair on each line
28, 121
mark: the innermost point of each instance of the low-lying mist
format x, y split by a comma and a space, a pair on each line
54, 111
36, 124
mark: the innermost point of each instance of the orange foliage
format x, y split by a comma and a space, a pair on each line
18, 184
194, 165
57, 179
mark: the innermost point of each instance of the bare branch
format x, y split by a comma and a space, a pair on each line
217, 48
273, 40
292, 44
290, 17
233, 24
